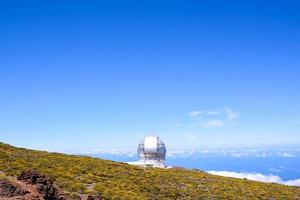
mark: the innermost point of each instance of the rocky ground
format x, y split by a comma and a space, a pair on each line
31, 185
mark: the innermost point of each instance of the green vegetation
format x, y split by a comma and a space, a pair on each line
82, 175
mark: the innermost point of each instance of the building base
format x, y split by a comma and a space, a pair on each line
149, 163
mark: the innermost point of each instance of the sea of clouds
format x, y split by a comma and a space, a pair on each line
256, 177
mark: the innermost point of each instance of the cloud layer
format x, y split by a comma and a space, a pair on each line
257, 177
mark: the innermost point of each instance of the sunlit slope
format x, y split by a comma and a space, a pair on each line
77, 175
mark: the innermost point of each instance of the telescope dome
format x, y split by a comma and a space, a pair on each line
152, 148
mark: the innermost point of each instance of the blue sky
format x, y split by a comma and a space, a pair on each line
103, 74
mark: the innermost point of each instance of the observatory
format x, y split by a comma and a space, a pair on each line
152, 153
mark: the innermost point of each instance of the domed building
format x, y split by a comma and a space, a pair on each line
152, 152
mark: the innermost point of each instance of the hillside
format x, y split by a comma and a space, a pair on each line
78, 175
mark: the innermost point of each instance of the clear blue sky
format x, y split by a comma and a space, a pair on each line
102, 74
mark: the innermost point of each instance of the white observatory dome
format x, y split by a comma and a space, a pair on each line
152, 153
152, 149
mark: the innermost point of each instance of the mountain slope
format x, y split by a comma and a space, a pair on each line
84, 175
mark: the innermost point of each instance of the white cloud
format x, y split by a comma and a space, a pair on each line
195, 113
213, 123
257, 177
295, 182
213, 112
231, 115
212, 118
286, 154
